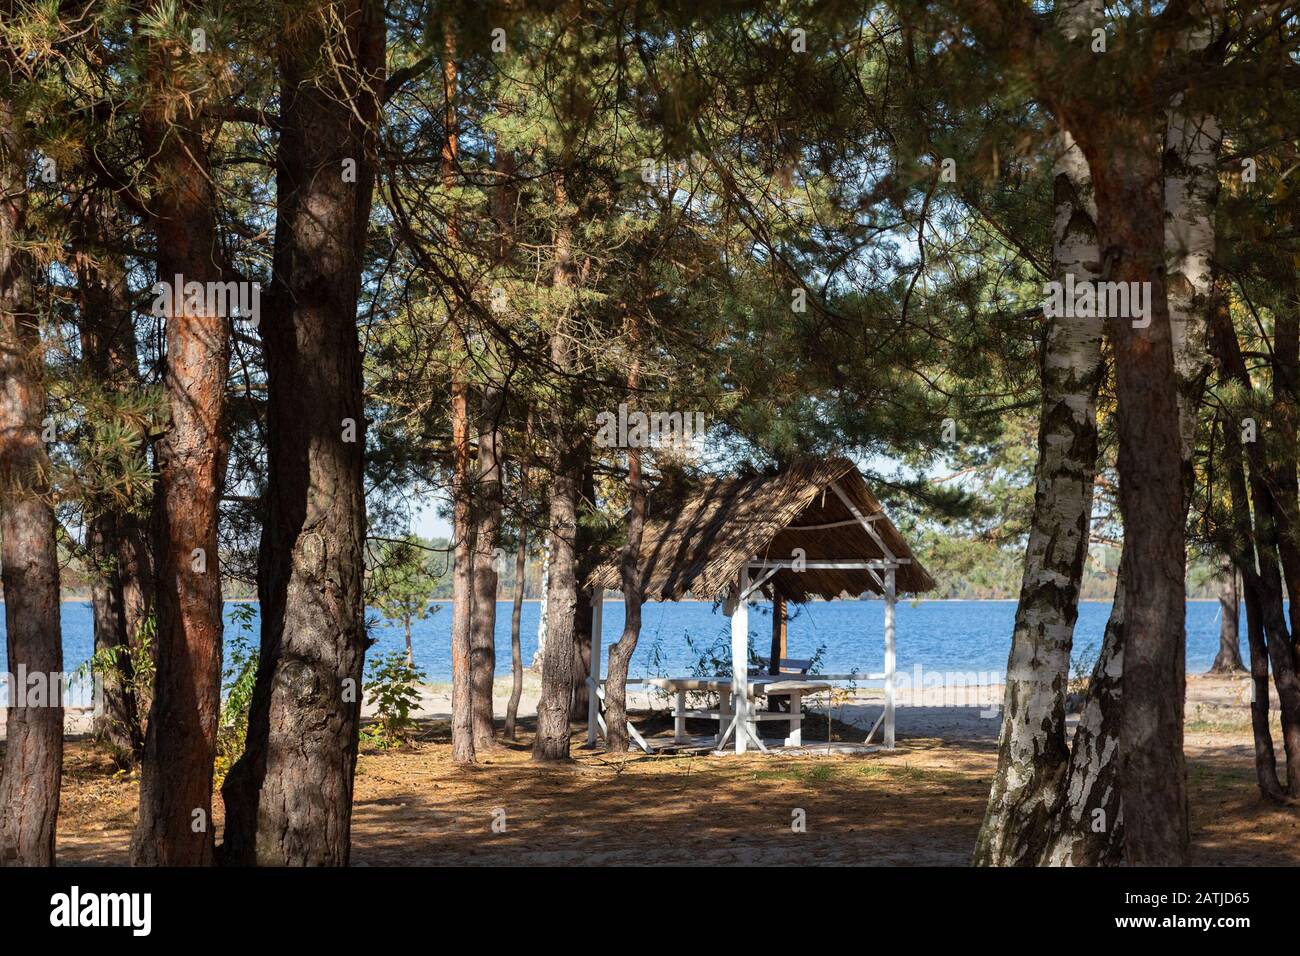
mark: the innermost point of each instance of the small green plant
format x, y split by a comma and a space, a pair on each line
239, 679
392, 686
712, 659
656, 665
133, 666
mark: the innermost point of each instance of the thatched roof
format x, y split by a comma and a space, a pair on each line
697, 545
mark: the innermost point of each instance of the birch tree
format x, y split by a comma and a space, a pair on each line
1028, 786
1159, 367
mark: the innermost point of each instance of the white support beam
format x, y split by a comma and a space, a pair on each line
741, 730
740, 660
640, 741
598, 690
847, 522
848, 564
593, 697
766, 575
874, 727
890, 599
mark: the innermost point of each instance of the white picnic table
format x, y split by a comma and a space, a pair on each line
774, 686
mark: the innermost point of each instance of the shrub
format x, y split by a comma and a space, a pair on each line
391, 684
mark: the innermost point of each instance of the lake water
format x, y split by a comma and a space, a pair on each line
961, 636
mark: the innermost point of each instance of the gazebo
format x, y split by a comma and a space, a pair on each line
812, 529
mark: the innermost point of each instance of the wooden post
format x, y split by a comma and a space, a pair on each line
890, 598
740, 661
779, 618
593, 696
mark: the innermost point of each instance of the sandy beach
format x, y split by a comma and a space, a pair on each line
919, 804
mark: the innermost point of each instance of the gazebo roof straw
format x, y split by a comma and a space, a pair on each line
697, 545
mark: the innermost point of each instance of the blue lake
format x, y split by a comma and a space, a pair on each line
937, 635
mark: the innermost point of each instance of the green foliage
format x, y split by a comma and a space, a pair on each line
711, 657
392, 686
132, 665
239, 678
404, 580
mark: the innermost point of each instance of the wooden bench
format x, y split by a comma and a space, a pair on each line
786, 665
794, 666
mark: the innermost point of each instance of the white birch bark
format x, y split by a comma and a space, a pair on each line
1028, 787
1192, 142
1089, 829
542, 615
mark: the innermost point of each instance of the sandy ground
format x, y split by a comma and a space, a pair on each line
918, 805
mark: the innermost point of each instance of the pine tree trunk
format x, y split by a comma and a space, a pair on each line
517, 613
552, 742
777, 652
1228, 660
118, 724
1095, 830
1090, 829
33, 760
1286, 417
175, 822
1028, 786
462, 595
1260, 564
487, 515
503, 162
1243, 554
289, 799
620, 654
1124, 157
586, 556
1270, 785
569, 461
116, 539
462, 588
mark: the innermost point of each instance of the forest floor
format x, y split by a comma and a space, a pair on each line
920, 804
